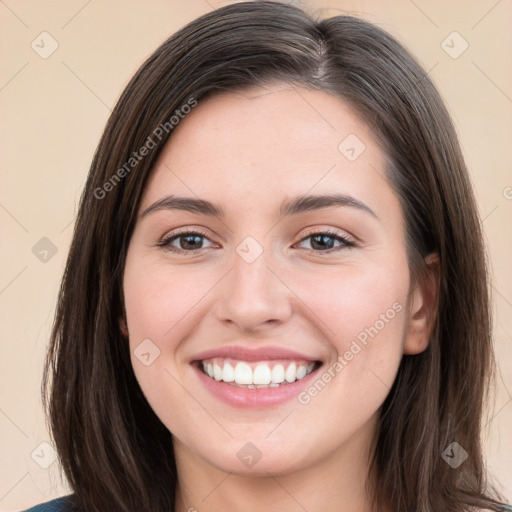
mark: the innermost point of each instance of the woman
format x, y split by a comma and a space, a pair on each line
275, 296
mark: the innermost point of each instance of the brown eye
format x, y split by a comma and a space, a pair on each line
325, 241
187, 241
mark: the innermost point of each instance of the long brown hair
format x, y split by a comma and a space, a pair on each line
115, 452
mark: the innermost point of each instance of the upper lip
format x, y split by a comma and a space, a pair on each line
253, 354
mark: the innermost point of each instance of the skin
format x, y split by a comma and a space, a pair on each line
247, 152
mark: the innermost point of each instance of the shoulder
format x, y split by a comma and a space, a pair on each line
57, 505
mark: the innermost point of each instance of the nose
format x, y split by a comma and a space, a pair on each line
253, 297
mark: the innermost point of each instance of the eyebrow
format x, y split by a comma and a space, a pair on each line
294, 206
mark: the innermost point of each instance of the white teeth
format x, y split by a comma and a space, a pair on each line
261, 377
278, 374
262, 374
301, 372
291, 373
217, 372
243, 374
228, 374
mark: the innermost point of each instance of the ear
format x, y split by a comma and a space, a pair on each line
422, 311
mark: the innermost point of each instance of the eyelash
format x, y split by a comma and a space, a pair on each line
165, 243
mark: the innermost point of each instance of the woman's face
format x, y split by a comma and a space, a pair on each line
253, 291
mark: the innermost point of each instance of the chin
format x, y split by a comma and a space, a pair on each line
257, 459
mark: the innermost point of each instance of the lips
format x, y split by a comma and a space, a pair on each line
254, 354
256, 378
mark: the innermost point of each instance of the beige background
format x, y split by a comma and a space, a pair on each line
53, 111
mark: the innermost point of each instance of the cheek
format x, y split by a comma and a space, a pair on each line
158, 299
158, 302
361, 313
350, 302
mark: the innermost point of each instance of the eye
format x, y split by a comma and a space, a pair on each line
187, 241
192, 241
324, 241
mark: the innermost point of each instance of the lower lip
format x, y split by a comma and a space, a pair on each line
258, 398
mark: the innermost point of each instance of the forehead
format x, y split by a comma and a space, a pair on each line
266, 142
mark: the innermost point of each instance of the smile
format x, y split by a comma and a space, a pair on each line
256, 374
